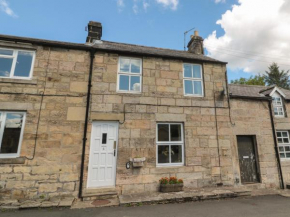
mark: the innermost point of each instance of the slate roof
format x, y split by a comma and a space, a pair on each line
254, 91
116, 47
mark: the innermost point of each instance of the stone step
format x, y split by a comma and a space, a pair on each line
100, 193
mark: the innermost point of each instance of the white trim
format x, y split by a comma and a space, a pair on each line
193, 79
130, 74
278, 90
14, 56
278, 106
3, 121
170, 143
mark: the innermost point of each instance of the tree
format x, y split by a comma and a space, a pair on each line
253, 80
277, 77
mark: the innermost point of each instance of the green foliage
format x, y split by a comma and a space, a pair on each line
253, 80
277, 77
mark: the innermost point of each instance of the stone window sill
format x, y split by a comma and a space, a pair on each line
18, 81
19, 160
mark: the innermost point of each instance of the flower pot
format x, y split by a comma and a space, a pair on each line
171, 187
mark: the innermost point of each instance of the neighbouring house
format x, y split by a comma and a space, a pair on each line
72, 116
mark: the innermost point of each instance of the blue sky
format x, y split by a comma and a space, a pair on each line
158, 25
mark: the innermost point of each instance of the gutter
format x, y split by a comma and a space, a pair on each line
92, 57
250, 97
276, 146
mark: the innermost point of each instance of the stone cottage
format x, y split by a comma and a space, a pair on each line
74, 116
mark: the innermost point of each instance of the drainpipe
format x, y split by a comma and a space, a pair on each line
276, 145
92, 56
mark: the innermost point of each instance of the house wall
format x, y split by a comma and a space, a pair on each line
54, 170
251, 117
284, 124
162, 100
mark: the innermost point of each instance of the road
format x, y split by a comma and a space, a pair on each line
264, 206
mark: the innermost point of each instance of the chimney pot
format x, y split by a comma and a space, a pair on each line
195, 44
94, 31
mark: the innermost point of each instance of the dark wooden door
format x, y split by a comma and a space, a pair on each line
247, 159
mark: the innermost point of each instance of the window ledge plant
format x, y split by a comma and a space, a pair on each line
171, 184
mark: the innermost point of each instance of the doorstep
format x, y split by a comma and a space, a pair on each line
99, 192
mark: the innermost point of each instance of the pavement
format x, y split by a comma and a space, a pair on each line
259, 206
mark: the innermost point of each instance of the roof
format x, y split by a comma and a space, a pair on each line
254, 91
116, 47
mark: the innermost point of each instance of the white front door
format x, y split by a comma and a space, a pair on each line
103, 154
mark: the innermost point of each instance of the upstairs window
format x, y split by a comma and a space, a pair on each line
170, 144
11, 133
284, 144
16, 63
192, 80
278, 106
129, 75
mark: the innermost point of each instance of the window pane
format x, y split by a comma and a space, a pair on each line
163, 154
11, 135
135, 66
187, 71
282, 155
176, 154
284, 134
124, 82
124, 65
5, 66
23, 64
175, 132
280, 140
196, 71
197, 87
188, 87
287, 148
135, 83
163, 132
6, 52
281, 148
279, 134
287, 155
285, 140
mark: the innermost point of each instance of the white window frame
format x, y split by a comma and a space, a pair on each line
14, 57
169, 143
130, 75
2, 126
193, 79
283, 144
277, 106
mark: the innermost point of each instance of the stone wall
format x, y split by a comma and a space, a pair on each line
284, 124
251, 117
61, 75
162, 100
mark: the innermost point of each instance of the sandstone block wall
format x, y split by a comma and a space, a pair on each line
61, 75
251, 117
162, 100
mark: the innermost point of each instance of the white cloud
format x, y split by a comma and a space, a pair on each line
135, 7
145, 5
169, 3
4, 6
257, 33
219, 1
120, 4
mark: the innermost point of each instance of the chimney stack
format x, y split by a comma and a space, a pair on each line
94, 31
195, 44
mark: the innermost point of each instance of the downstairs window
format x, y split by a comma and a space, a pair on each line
11, 133
284, 144
170, 144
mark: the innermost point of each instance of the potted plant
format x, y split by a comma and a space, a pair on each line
171, 184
